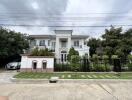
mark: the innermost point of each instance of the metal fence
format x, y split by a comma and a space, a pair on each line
87, 65
66, 66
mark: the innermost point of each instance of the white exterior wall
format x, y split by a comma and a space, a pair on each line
64, 34
82, 51
46, 43
26, 62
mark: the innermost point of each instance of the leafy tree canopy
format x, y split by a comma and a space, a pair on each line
12, 43
116, 42
93, 43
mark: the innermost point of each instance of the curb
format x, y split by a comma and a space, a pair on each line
41, 81
15, 80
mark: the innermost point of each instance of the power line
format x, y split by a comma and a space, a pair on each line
23, 25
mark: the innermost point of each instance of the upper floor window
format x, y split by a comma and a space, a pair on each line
42, 43
33, 43
53, 44
48, 42
76, 43
63, 43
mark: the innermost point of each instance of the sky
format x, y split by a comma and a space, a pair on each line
44, 16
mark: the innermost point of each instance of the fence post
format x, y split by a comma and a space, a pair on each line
117, 65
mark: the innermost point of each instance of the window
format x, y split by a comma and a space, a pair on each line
34, 64
63, 44
53, 45
33, 43
42, 43
44, 64
63, 56
76, 43
48, 42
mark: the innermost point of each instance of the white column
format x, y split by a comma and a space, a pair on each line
57, 47
69, 43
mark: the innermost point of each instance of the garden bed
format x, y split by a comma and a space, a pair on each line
73, 75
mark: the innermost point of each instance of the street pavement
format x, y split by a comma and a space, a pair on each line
65, 91
5, 76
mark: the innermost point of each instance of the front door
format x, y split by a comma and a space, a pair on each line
63, 56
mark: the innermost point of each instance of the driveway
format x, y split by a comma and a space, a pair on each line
6, 75
68, 91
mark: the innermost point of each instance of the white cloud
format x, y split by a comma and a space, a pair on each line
35, 5
91, 12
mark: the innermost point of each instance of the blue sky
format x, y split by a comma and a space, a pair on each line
65, 13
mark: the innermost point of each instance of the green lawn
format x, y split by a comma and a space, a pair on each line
31, 75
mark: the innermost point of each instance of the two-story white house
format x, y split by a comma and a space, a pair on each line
60, 43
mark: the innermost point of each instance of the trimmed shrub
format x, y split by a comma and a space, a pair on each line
114, 56
101, 67
75, 62
34, 52
130, 58
62, 67
72, 51
41, 52
129, 66
108, 67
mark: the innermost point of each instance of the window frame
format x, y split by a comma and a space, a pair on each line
34, 61
42, 43
48, 42
44, 68
76, 43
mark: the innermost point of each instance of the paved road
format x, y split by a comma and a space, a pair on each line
65, 91
5, 76
68, 91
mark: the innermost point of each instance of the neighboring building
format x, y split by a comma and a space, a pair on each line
60, 43
37, 63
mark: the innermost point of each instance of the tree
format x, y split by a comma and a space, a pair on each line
72, 51
116, 42
93, 43
12, 44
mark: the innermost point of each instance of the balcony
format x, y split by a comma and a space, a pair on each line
63, 48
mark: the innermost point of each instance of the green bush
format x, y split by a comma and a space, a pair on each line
41, 52
101, 67
72, 51
130, 58
114, 56
108, 67
34, 52
75, 62
62, 67
129, 66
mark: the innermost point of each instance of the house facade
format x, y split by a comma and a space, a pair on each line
60, 43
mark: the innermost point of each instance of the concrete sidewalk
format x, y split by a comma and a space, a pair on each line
5, 76
68, 91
